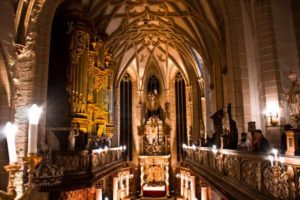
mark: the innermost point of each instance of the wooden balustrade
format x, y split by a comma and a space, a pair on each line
246, 175
83, 168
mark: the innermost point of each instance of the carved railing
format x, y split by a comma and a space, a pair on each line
257, 176
82, 168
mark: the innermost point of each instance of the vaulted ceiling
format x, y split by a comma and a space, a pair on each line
168, 31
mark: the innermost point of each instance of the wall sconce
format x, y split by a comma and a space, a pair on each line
31, 161
272, 114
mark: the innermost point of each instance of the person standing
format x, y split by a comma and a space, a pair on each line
260, 144
244, 143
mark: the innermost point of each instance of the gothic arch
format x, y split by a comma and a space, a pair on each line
152, 68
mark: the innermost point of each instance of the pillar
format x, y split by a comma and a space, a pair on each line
115, 188
204, 193
193, 187
186, 187
127, 185
181, 184
167, 179
99, 193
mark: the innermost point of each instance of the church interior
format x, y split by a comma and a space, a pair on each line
149, 99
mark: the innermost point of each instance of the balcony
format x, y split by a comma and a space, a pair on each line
84, 168
246, 175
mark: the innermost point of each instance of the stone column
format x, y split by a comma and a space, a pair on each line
181, 184
193, 187
186, 187
115, 188
99, 193
127, 185
204, 193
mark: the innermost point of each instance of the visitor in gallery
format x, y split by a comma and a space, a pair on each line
244, 143
260, 143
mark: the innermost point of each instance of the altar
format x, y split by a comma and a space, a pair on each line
154, 175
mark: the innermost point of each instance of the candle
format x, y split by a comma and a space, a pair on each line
10, 131
275, 152
34, 115
271, 159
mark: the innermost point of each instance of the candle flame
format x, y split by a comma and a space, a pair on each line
34, 114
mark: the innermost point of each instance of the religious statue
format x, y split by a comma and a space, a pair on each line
225, 129
71, 140
151, 98
293, 98
225, 122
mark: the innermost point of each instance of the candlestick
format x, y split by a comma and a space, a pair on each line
34, 115
10, 131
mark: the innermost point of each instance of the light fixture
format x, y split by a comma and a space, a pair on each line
193, 147
272, 113
214, 149
34, 116
10, 131
271, 159
13, 167
30, 162
275, 152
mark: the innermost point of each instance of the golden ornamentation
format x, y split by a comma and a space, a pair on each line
88, 193
276, 181
31, 161
251, 173
12, 169
232, 167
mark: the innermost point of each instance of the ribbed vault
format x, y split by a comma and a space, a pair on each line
168, 30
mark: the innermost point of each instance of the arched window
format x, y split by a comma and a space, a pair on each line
126, 114
181, 125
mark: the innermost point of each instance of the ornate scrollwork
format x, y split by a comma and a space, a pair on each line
79, 44
276, 181
232, 167
251, 173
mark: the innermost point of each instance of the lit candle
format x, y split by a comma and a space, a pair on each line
34, 115
194, 147
10, 131
214, 148
275, 152
271, 159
